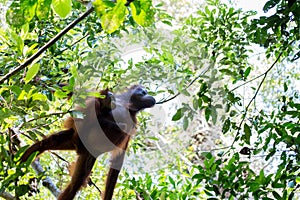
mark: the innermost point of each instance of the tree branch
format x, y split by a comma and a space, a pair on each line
191, 83
73, 44
254, 96
47, 182
7, 196
46, 46
249, 81
45, 116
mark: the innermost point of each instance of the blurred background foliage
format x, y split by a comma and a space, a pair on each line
226, 79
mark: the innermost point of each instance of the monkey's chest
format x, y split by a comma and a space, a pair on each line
99, 135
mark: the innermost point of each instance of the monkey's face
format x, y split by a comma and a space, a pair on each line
140, 99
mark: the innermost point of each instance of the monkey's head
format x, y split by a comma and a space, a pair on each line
106, 102
139, 98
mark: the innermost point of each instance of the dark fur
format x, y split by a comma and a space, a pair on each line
111, 119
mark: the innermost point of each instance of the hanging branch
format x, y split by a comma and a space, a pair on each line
46, 46
257, 90
254, 96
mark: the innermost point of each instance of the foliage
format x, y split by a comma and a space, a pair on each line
207, 59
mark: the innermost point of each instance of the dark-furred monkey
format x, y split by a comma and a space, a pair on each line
108, 124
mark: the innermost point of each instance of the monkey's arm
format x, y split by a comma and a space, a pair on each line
115, 167
58, 141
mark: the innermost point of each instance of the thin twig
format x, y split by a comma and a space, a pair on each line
254, 97
74, 43
45, 116
59, 157
191, 83
94, 184
249, 81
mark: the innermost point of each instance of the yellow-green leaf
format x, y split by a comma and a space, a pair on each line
43, 8
62, 7
60, 94
113, 19
32, 71
99, 7
39, 97
142, 12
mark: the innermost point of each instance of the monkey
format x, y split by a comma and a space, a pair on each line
107, 126
68, 139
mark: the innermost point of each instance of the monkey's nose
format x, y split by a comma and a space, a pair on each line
153, 101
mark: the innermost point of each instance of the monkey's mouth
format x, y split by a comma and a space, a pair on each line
152, 103
149, 103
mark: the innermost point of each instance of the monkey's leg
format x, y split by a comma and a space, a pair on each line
58, 141
83, 168
112, 177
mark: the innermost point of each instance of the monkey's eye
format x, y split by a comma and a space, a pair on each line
144, 92
109, 94
140, 92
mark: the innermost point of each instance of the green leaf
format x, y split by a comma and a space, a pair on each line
142, 13
39, 97
285, 87
270, 4
22, 95
22, 189
172, 181
195, 103
62, 7
226, 126
272, 152
112, 20
24, 31
17, 41
185, 92
20, 12
200, 103
32, 72
99, 6
177, 115
185, 123
247, 72
276, 195
74, 73
247, 132
43, 8
214, 114
207, 113
60, 94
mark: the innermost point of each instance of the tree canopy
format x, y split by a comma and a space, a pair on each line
226, 81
